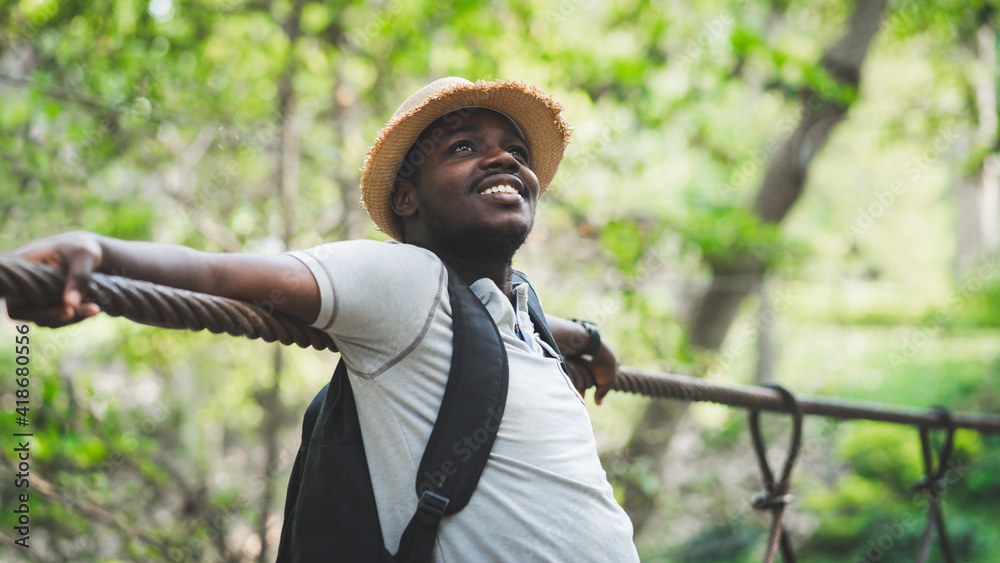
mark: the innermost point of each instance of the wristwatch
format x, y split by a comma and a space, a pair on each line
593, 345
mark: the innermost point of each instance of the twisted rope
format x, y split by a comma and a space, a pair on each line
29, 283
775, 496
692, 389
934, 483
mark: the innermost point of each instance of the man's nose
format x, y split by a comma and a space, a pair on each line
497, 157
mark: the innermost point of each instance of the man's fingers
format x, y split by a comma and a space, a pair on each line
601, 391
603, 387
81, 265
88, 310
53, 317
609, 376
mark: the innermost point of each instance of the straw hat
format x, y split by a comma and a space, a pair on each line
534, 113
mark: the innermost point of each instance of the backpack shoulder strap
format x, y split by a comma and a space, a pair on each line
472, 406
538, 316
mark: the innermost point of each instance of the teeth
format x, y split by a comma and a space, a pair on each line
504, 189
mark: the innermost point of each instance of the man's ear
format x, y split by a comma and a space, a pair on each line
402, 199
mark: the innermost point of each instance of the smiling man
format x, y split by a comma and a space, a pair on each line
455, 178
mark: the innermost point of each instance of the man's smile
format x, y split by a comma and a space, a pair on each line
502, 188
504, 193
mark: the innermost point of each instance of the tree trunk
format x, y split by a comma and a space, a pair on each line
287, 174
786, 174
765, 338
978, 225
731, 282
346, 121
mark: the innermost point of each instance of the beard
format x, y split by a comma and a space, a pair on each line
477, 242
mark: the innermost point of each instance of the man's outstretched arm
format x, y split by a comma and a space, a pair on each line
280, 280
572, 339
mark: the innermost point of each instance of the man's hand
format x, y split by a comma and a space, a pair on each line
78, 255
282, 281
572, 339
603, 369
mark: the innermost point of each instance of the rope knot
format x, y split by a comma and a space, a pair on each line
768, 501
776, 496
934, 483
933, 479
934, 486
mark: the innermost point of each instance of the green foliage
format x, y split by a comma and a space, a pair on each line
628, 241
817, 79
641, 472
725, 235
977, 302
713, 544
889, 455
847, 513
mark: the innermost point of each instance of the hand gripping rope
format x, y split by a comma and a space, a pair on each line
28, 283
776, 496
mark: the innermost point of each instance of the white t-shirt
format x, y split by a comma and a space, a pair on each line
543, 495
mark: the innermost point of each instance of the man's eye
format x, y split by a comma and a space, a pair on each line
519, 152
462, 146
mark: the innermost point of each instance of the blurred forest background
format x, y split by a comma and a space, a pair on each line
799, 191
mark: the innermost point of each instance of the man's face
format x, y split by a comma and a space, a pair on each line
474, 189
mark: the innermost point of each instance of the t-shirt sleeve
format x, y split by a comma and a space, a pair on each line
376, 298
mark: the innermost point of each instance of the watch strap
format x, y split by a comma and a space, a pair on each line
593, 344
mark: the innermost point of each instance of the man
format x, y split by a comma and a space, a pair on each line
455, 176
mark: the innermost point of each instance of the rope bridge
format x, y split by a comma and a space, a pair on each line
29, 283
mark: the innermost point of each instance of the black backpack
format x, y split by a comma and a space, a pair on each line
330, 511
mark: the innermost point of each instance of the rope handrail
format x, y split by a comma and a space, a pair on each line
29, 283
23, 282
692, 389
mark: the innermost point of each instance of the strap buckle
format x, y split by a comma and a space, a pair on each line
431, 507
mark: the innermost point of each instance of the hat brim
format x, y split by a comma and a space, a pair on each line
537, 116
